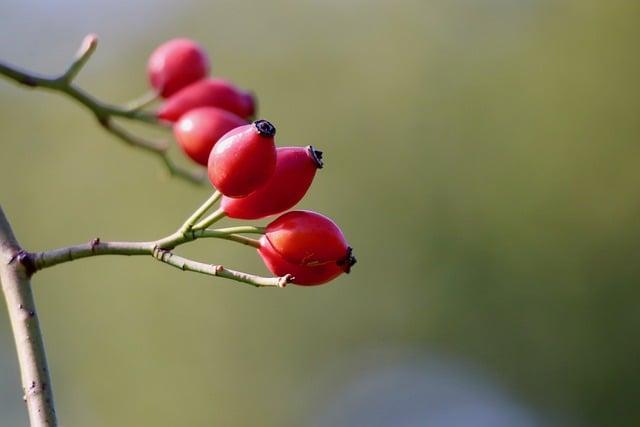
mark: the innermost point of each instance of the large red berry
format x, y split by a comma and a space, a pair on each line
306, 237
292, 177
208, 92
308, 246
175, 65
243, 159
199, 130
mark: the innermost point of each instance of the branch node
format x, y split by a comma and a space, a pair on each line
285, 280
25, 259
94, 243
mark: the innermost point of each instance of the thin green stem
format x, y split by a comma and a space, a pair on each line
60, 84
188, 224
103, 112
159, 148
87, 48
244, 229
143, 101
210, 220
217, 234
161, 250
242, 239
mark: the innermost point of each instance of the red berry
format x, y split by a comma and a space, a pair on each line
306, 237
292, 177
308, 246
208, 93
243, 159
199, 130
176, 64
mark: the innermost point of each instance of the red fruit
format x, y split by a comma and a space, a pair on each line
208, 93
306, 237
175, 65
308, 246
292, 177
243, 159
199, 130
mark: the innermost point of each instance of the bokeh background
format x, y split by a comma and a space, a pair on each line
481, 156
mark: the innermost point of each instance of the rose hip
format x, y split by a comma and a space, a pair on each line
308, 246
208, 92
243, 159
199, 130
306, 237
292, 177
175, 65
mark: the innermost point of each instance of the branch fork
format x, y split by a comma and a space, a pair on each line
103, 112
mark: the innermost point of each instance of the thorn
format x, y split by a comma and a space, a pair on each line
93, 243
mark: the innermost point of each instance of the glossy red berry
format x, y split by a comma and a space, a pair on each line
306, 237
308, 246
292, 177
199, 130
208, 92
243, 159
175, 65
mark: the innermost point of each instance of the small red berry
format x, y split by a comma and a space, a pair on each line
243, 159
208, 92
292, 177
199, 130
175, 65
308, 246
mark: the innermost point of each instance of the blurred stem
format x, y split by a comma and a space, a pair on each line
15, 271
142, 102
103, 112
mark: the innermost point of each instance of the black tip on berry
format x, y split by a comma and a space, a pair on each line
265, 128
348, 261
316, 155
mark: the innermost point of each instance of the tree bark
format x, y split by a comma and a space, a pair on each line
15, 271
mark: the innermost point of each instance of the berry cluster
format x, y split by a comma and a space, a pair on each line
256, 178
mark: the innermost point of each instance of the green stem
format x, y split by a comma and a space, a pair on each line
228, 236
103, 112
142, 102
160, 250
87, 48
210, 220
244, 229
186, 227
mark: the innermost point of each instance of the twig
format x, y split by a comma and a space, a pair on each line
15, 271
188, 225
211, 219
162, 251
103, 112
158, 148
141, 102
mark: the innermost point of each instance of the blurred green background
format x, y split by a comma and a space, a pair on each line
481, 156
